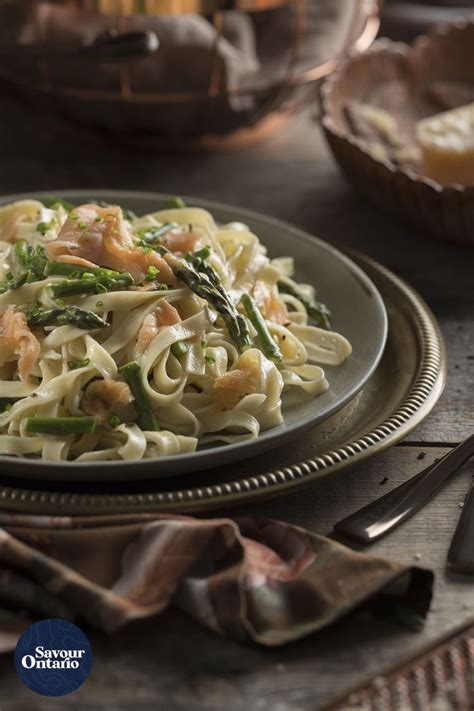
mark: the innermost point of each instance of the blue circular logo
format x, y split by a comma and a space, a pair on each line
53, 657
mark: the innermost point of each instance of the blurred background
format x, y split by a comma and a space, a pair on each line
156, 73
403, 20
94, 94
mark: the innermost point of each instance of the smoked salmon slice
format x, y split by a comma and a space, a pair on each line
102, 237
164, 315
104, 396
16, 338
230, 388
180, 241
269, 303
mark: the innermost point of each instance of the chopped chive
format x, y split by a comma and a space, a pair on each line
114, 420
179, 348
203, 344
151, 273
43, 227
99, 304
82, 224
150, 236
74, 364
209, 358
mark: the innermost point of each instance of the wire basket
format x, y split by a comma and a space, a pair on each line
216, 71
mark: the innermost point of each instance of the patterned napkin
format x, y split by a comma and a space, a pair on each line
251, 579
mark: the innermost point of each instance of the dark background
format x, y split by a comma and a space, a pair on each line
171, 663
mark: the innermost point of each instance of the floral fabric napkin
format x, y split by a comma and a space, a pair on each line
250, 579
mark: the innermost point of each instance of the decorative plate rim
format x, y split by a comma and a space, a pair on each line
428, 385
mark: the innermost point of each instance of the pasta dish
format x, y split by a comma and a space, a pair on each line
125, 337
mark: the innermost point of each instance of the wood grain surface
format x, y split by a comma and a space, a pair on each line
171, 663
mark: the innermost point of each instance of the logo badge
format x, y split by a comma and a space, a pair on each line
53, 657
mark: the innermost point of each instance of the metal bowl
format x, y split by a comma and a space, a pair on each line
218, 69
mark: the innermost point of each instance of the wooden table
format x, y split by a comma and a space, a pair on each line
170, 662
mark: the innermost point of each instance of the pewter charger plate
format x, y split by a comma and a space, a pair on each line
402, 391
358, 313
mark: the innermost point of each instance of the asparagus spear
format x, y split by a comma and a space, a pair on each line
269, 347
21, 255
205, 282
60, 425
54, 202
175, 202
72, 315
179, 349
28, 265
38, 262
73, 270
128, 215
132, 375
76, 287
198, 257
12, 282
315, 309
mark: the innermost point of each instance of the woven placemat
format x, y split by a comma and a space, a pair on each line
441, 678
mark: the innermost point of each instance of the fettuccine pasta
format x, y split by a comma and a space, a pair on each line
124, 337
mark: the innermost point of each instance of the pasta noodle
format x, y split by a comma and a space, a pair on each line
124, 337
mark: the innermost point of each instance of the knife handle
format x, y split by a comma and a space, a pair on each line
386, 513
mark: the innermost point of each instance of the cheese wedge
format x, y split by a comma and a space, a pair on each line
447, 144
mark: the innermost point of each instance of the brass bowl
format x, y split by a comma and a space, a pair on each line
222, 72
409, 83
